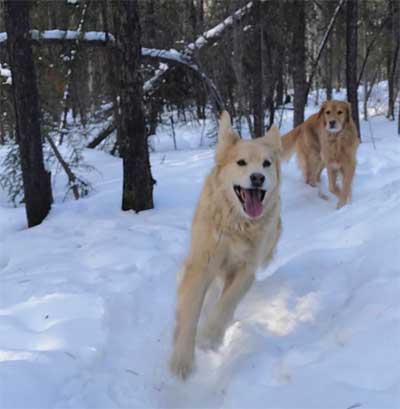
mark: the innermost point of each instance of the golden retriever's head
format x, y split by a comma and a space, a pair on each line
248, 171
335, 114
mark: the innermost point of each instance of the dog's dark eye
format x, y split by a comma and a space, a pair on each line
266, 163
241, 162
328, 112
339, 112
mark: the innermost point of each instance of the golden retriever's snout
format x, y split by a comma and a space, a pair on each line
333, 126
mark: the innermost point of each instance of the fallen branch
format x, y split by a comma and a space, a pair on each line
207, 38
73, 180
63, 36
212, 35
101, 136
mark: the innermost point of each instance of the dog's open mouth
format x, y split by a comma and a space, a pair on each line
251, 200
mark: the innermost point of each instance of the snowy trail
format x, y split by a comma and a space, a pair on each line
87, 298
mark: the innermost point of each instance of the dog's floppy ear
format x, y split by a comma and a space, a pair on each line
273, 138
322, 109
227, 137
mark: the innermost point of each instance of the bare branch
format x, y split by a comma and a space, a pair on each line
101, 136
73, 180
323, 44
369, 49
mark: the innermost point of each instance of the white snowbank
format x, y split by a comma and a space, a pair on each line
87, 298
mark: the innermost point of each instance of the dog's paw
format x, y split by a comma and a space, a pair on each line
181, 364
323, 196
335, 191
341, 203
210, 339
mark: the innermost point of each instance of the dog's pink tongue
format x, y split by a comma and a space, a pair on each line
252, 203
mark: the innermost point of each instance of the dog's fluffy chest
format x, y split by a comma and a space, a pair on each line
253, 246
333, 148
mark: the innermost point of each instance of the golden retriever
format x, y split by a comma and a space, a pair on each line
235, 230
328, 139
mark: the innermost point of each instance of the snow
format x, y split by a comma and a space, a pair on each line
87, 298
5, 73
172, 55
71, 35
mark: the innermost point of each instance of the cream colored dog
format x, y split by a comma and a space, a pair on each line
235, 231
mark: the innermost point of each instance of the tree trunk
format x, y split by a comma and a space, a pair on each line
393, 28
258, 73
398, 124
279, 84
137, 192
299, 60
351, 58
327, 12
37, 184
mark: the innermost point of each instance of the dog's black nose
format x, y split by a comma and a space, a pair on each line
257, 179
332, 124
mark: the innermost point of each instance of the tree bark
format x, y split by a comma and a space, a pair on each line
137, 192
279, 84
323, 44
398, 123
37, 184
393, 28
299, 60
351, 58
328, 60
258, 73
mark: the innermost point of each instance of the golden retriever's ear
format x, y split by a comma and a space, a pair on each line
227, 137
273, 138
322, 109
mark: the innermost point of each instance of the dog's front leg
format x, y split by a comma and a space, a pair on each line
345, 194
332, 176
236, 286
191, 294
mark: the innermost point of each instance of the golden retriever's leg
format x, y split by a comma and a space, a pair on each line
320, 168
315, 167
332, 176
345, 194
236, 286
303, 165
191, 294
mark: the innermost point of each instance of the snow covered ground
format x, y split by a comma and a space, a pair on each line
87, 298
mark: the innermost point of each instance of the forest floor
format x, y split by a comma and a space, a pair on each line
87, 298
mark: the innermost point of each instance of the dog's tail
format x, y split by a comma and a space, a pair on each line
289, 143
